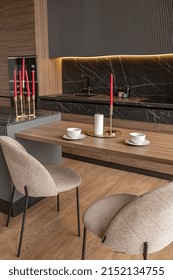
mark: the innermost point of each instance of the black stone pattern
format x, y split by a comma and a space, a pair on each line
8, 117
150, 79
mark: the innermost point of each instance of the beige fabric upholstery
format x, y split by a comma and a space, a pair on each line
98, 217
65, 178
125, 228
149, 218
26, 170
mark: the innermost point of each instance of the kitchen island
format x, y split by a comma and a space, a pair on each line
155, 159
45, 153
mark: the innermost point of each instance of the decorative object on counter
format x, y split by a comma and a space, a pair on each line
20, 92
81, 136
137, 139
144, 143
111, 107
106, 134
22, 104
23, 83
126, 93
120, 94
33, 91
99, 128
98, 124
15, 92
99, 120
73, 132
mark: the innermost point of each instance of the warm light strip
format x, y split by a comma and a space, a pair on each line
114, 56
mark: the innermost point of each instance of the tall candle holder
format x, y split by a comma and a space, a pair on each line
110, 132
33, 104
21, 104
24, 102
15, 102
26, 112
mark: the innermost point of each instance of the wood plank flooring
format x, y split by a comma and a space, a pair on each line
52, 235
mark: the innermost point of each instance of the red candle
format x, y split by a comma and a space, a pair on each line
23, 69
33, 83
20, 82
15, 84
111, 89
27, 83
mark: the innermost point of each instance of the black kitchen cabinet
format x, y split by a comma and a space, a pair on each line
109, 27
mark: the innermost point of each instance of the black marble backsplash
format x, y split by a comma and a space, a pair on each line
147, 76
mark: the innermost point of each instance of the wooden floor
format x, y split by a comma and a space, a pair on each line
52, 235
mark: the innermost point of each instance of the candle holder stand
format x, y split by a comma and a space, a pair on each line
24, 107
109, 133
15, 102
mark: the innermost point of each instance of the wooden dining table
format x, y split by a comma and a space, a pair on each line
156, 156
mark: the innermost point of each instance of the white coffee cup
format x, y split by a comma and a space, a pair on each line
137, 137
73, 132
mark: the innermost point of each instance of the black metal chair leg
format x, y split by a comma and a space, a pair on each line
11, 203
84, 243
23, 221
78, 210
57, 199
145, 250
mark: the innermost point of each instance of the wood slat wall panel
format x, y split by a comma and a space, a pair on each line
4, 84
5, 102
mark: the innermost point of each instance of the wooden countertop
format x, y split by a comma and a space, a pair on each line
156, 157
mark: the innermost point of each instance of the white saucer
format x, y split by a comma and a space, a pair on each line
81, 136
146, 142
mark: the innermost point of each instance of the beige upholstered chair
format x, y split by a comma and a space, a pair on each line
32, 179
130, 224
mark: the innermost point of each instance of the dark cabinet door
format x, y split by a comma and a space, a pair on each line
65, 28
110, 27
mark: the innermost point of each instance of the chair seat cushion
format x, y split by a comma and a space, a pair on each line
98, 216
64, 177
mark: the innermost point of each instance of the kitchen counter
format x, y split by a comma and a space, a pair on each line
8, 117
143, 109
139, 102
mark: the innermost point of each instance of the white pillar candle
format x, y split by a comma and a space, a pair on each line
98, 124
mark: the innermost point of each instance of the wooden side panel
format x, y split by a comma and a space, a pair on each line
4, 85
49, 70
20, 27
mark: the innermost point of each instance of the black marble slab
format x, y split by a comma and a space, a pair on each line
104, 99
8, 116
147, 76
131, 109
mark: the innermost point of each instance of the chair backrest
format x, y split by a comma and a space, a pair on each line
25, 170
148, 218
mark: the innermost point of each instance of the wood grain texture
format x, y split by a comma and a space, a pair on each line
24, 32
20, 27
156, 157
4, 81
52, 235
49, 70
120, 123
5, 102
